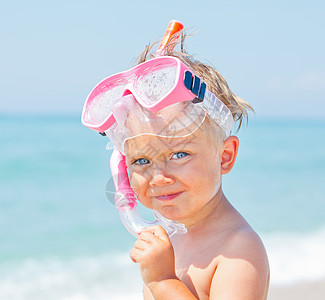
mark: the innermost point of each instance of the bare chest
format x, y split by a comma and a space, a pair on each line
196, 271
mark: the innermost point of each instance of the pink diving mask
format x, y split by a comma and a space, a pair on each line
155, 85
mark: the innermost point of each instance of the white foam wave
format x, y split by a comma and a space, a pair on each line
103, 277
293, 258
296, 257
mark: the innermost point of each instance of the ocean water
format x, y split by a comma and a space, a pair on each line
61, 238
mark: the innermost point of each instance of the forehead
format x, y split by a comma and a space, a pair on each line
176, 120
151, 144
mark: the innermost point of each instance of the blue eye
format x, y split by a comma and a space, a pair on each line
179, 155
141, 161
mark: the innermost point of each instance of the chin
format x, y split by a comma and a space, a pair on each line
172, 213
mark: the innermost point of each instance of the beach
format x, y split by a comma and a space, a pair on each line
314, 290
61, 237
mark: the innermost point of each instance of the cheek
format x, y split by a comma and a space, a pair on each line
213, 176
140, 184
137, 182
203, 178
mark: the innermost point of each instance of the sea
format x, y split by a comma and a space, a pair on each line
61, 237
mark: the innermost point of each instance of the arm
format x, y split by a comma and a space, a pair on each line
243, 272
154, 253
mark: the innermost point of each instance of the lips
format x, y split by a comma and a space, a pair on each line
168, 197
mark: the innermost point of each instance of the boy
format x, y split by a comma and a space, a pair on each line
176, 156
220, 256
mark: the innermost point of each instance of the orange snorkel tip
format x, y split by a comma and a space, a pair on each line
173, 31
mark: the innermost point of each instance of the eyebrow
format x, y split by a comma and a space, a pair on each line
148, 151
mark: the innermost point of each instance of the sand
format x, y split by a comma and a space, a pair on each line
300, 291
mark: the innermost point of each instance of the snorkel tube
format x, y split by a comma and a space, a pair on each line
173, 31
125, 198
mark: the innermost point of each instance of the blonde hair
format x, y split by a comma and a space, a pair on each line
215, 82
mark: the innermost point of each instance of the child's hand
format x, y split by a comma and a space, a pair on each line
154, 253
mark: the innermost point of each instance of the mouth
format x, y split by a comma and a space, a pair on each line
168, 197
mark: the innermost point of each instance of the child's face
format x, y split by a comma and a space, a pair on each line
175, 176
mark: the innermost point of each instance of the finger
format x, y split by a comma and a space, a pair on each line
149, 237
157, 231
141, 244
134, 255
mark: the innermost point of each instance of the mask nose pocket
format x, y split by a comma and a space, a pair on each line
122, 107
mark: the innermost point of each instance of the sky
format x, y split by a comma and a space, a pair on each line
270, 52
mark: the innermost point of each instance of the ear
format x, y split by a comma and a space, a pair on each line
229, 153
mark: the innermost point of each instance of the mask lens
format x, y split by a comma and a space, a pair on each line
100, 106
155, 85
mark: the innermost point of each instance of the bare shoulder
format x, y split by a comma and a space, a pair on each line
245, 243
242, 270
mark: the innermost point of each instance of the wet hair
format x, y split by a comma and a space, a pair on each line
215, 82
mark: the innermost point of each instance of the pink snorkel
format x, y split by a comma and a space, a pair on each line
125, 199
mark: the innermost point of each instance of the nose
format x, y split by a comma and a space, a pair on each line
160, 179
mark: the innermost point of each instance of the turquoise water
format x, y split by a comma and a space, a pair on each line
62, 239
